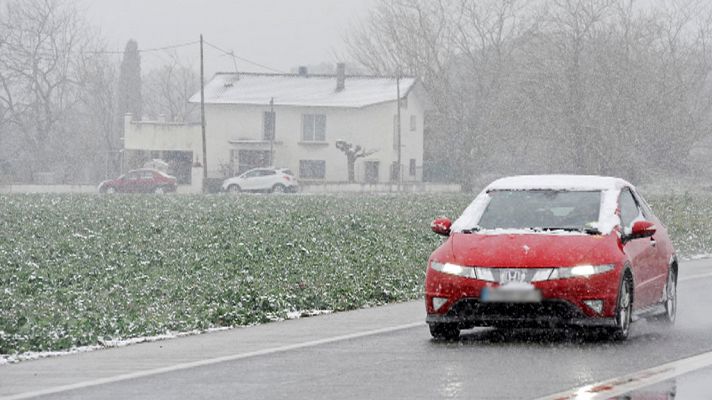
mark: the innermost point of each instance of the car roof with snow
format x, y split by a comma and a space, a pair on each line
558, 182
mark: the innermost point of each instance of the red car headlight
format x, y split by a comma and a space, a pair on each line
580, 271
454, 269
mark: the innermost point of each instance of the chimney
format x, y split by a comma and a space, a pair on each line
340, 77
303, 71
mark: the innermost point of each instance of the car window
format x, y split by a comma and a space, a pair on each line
268, 172
251, 174
514, 209
644, 206
629, 208
133, 176
147, 175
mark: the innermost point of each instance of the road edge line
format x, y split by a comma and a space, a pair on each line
209, 361
637, 380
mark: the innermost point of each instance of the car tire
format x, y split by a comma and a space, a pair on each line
110, 190
234, 189
444, 331
159, 190
624, 311
278, 188
669, 301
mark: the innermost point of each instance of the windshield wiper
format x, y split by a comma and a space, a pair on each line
592, 230
474, 229
588, 229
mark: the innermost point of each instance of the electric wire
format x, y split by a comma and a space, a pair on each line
232, 54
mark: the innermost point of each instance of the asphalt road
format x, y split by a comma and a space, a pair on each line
398, 363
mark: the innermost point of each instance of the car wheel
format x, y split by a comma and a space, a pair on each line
278, 188
670, 300
234, 189
159, 190
110, 190
444, 331
624, 310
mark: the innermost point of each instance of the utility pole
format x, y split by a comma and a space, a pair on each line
272, 131
400, 174
202, 115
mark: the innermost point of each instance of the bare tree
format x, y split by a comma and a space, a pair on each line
353, 153
167, 90
39, 80
462, 51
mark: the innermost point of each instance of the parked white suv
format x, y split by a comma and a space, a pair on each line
274, 180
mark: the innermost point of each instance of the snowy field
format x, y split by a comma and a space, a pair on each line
86, 270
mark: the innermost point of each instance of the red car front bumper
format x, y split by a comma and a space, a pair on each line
563, 302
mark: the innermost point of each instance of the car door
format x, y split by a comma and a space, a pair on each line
147, 182
132, 182
642, 253
248, 180
662, 247
267, 179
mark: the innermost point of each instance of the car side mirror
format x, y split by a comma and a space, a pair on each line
641, 230
441, 226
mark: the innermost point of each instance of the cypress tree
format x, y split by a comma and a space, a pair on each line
129, 90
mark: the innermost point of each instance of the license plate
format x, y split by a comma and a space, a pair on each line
510, 295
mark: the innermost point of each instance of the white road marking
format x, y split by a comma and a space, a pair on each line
701, 276
621, 385
210, 361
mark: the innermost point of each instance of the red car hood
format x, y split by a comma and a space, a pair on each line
530, 250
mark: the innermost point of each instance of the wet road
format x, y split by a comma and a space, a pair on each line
485, 363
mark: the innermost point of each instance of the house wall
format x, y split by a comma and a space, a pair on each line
233, 127
240, 127
152, 135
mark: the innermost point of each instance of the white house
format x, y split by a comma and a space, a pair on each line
311, 113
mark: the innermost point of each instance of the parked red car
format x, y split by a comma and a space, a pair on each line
140, 181
548, 251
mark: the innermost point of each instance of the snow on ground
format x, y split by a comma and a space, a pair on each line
6, 359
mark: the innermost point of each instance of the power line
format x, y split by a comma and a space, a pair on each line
169, 47
44, 53
232, 54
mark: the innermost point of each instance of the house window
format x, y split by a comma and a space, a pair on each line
269, 125
312, 169
314, 127
372, 171
412, 167
244, 160
413, 123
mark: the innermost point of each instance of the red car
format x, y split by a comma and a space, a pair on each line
552, 251
140, 181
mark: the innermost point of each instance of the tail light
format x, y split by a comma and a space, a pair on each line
286, 178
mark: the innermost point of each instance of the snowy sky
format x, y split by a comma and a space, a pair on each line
278, 33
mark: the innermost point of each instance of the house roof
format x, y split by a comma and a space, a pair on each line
302, 91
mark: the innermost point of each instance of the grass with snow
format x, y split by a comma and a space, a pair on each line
78, 270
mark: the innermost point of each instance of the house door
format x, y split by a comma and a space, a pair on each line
372, 171
249, 159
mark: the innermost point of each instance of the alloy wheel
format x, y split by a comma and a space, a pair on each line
671, 297
625, 308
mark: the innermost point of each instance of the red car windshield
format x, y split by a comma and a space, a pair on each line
541, 209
